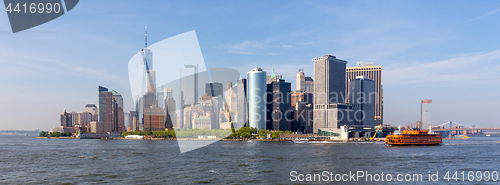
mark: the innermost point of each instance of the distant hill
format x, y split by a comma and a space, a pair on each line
19, 132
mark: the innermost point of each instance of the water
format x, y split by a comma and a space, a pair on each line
26, 159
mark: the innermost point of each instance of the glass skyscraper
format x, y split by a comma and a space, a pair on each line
256, 84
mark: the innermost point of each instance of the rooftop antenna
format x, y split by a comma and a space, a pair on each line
146, 37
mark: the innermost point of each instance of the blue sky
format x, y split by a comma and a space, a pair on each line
447, 51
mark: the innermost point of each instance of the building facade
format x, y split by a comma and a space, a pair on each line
93, 110
242, 104
105, 108
66, 119
304, 83
329, 92
362, 99
279, 111
273, 77
374, 73
256, 84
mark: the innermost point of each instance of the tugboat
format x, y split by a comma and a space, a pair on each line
413, 137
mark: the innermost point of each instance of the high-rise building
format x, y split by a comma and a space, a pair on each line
105, 108
372, 72
110, 110
119, 116
302, 104
426, 112
304, 83
303, 117
256, 84
303, 97
170, 114
132, 118
279, 113
154, 119
242, 104
147, 103
213, 89
85, 118
75, 118
301, 81
231, 99
362, 99
97, 127
93, 110
167, 93
211, 110
273, 77
309, 84
66, 119
329, 93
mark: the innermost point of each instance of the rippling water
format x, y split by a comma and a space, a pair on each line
26, 159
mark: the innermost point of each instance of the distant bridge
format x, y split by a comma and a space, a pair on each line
452, 128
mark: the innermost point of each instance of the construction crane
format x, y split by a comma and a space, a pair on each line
378, 129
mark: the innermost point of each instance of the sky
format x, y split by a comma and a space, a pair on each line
447, 51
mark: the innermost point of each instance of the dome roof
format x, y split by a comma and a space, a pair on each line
257, 69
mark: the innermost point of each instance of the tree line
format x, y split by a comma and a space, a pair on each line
54, 134
242, 133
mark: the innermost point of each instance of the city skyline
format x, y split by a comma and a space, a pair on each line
437, 64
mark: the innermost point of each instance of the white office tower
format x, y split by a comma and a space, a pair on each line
256, 85
301, 81
147, 87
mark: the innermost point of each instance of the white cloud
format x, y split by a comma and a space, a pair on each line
30, 65
473, 66
247, 45
488, 14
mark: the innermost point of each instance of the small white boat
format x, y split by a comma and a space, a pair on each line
301, 141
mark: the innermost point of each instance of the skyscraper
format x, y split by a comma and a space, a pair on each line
75, 118
132, 118
93, 110
119, 116
329, 93
167, 93
147, 106
242, 103
256, 84
273, 77
279, 112
372, 72
231, 98
170, 114
66, 119
304, 83
105, 108
85, 118
213, 89
426, 112
362, 98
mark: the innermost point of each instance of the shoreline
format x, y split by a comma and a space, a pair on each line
193, 139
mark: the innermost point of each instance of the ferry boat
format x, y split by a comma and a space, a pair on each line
413, 137
301, 141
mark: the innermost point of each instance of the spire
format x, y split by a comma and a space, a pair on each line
146, 37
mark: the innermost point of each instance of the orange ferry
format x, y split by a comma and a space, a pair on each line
413, 137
